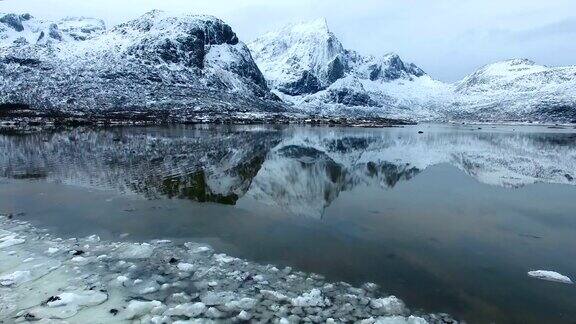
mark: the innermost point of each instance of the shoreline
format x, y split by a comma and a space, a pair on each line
16, 120
44, 277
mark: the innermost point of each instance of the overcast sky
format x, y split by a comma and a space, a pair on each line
447, 38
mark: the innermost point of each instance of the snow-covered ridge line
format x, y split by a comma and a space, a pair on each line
157, 61
44, 278
196, 63
306, 64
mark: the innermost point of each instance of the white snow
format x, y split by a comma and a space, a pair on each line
186, 267
51, 290
137, 308
52, 250
135, 250
15, 278
400, 320
389, 305
79, 298
311, 299
223, 258
10, 240
284, 55
550, 276
515, 89
188, 309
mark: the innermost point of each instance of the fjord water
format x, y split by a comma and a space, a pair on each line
449, 220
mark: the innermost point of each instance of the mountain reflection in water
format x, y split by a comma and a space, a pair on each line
302, 170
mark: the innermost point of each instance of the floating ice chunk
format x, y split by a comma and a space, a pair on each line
10, 240
242, 304
52, 250
400, 320
273, 295
66, 304
149, 290
223, 258
310, 299
135, 251
201, 249
186, 267
258, 278
188, 310
93, 238
244, 316
102, 257
197, 248
48, 313
218, 298
79, 298
15, 278
214, 312
389, 305
550, 276
78, 259
122, 279
137, 308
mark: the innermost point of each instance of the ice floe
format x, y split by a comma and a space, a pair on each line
550, 276
164, 282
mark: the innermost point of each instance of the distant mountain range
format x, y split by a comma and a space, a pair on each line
306, 65
197, 64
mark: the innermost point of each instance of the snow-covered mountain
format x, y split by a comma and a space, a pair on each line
306, 65
192, 64
155, 61
517, 89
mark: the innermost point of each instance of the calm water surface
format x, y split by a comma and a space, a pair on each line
449, 220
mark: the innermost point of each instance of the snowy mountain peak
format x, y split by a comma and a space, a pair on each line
307, 58
20, 29
517, 89
307, 65
299, 58
515, 72
316, 26
156, 60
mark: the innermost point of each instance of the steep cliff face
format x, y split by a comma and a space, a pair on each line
156, 61
307, 65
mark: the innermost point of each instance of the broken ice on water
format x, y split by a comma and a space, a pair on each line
88, 280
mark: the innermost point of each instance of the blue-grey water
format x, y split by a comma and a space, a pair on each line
450, 220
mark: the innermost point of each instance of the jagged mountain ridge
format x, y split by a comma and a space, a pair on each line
308, 66
195, 64
156, 61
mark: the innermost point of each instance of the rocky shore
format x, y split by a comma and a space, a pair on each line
53, 280
20, 119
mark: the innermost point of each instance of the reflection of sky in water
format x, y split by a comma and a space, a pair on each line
450, 220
